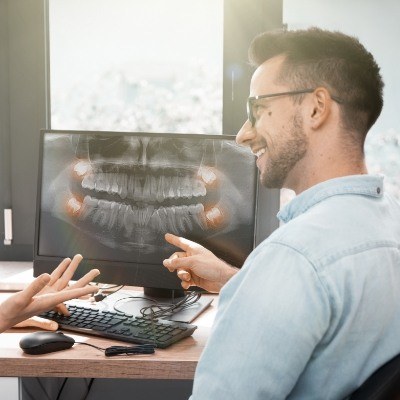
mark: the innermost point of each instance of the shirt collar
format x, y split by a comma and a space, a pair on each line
366, 185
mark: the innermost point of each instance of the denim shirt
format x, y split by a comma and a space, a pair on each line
316, 307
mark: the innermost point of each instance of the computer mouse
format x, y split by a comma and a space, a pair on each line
43, 342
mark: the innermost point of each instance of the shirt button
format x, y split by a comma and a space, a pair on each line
378, 190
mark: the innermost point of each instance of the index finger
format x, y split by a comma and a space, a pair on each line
181, 242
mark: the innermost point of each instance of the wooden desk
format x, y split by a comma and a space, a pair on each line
176, 362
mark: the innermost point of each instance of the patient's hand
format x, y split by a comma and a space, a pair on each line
37, 322
46, 292
197, 266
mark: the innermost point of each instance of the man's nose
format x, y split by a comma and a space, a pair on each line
245, 134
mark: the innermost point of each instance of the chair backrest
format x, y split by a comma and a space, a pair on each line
383, 384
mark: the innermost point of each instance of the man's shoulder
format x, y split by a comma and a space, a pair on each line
336, 225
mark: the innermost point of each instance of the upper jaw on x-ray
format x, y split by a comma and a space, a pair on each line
128, 191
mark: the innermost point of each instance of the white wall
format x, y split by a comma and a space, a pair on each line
9, 388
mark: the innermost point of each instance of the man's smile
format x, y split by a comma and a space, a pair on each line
260, 152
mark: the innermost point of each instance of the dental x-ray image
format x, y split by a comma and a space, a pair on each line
113, 196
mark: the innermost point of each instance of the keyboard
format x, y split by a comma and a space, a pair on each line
114, 325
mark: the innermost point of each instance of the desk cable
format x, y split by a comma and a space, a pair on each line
127, 350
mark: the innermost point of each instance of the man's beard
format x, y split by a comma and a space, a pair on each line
286, 156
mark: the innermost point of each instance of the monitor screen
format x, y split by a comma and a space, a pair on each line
112, 196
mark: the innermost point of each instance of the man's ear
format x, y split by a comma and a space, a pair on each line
321, 107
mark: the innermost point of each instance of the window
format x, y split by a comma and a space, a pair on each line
133, 65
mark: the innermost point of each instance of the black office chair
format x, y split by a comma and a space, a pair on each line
383, 384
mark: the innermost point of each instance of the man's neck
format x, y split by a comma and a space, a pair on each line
313, 170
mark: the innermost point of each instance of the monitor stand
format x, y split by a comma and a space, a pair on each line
131, 302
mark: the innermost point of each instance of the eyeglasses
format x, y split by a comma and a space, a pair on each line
251, 100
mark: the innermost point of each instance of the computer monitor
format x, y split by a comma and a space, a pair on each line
112, 196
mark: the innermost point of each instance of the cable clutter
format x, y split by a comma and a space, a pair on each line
162, 310
127, 350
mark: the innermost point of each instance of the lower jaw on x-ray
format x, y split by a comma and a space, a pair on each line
126, 192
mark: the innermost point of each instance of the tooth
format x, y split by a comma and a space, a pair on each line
155, 221
160, 188
138, 194
88, 182
131, 185
196, 211
136, 216
198, 188
139, 217
182, 218
166, 186
100, 182
123, 189
88, 207
147, 214
171, 193
153, 188
175, 187
208, 175
113, 215
74, 206
172, 220
114, 184
96, 215
121, 216
186, 187
128, 221
82, 167
187, 219
146, 188
102, 213
214, 217
162, 219
107, 182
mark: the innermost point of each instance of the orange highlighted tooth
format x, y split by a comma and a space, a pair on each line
73, 207
215, 218
82, 168
208, 175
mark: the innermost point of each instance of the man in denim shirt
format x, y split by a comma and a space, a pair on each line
315, 309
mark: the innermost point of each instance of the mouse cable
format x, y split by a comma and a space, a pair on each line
117, 350
99, 296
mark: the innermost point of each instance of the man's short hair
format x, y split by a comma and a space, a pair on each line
316, 57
